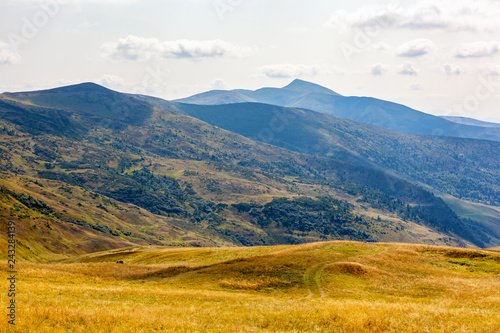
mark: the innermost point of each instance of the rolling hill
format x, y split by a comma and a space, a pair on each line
325, 287
464, 168
89, 171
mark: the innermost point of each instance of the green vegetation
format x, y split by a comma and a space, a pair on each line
465, 168
170, 179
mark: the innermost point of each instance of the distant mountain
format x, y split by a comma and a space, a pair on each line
301, 94
309, 88
90, 99
286, 95
100, 169
214, 97
470, 121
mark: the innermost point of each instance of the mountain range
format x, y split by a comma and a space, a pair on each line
84, 168
306, 95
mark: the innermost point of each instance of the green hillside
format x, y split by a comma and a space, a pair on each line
108, 181
465, 168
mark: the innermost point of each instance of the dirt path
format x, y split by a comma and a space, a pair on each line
311, 279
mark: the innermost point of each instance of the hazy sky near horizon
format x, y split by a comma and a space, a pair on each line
440, 57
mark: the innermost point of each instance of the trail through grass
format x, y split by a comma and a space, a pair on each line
320, 287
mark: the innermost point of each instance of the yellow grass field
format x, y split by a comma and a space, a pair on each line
319, 287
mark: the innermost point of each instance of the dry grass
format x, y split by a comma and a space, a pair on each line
322, 287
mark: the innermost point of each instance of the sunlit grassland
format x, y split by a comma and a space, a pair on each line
325, 287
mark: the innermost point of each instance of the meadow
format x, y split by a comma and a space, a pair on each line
318, 287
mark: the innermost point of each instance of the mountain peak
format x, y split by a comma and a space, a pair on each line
86, 86
80, 87
308, 87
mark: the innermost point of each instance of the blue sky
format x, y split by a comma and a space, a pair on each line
438, 57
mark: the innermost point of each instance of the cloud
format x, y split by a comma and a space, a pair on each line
452, 69
139, 48
408, 69
485, 69
415, 48
8, 56
477, 50
279, 71
449, 15
416, 86
219, 84
378, 69
111, 81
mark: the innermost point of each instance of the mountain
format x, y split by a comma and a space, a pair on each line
309, 88
92, 100
470, 121
465, 168
301, 94
214, 97
84, 168
289, 94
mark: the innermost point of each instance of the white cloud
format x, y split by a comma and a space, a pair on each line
8, 55
485, 69
449, 15
111, 81
416, 86
139, 48
380, 46
477, 49
452, 69
408, 69
378, 69
415, 48
219, 84
276, 71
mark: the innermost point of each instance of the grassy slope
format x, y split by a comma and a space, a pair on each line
49, 237
326, 287
43, 237
488, 215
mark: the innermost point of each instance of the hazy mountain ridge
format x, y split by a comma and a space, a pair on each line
198, 180
217, 97
362, 109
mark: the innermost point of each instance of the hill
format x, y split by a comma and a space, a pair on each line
326, 287
467, 169
397, 117
468, 121
89, 99
171, 179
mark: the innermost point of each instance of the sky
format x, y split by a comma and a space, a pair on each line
439, 57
